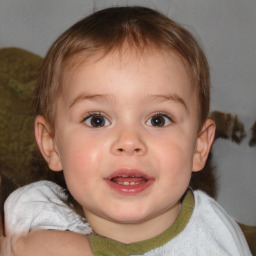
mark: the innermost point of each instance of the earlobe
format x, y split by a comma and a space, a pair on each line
203, 145
46, 143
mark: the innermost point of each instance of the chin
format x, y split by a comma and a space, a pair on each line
129, 217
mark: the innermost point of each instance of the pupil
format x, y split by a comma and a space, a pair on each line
97, 121
158, 121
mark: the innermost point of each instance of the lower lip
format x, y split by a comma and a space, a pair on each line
129, 189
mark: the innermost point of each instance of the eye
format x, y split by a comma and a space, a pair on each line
96, 120
159, 120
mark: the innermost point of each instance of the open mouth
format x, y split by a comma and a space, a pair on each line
129, 180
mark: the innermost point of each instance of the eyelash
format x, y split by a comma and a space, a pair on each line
104, 120
96, 114
161, 114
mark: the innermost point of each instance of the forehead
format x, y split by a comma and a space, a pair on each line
156, 67
123, 55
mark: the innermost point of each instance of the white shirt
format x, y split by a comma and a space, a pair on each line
41, 205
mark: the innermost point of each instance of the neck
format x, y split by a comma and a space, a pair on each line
135, 232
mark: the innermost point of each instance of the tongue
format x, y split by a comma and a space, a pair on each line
129, 179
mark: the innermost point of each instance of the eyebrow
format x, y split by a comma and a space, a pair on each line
172, 97
89, 97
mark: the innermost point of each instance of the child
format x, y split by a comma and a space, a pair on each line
122, 106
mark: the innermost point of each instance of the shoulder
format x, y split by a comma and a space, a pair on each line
209, 231
217, 223
42, 191
41, 205
208, 211
207, 208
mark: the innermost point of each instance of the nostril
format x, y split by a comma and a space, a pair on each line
121, 150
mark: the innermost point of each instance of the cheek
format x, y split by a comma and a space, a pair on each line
175, 157
81, 164
80, 154
176, 152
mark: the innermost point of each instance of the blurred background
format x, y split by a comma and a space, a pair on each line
227, 32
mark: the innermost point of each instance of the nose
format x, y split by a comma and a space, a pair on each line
128, 142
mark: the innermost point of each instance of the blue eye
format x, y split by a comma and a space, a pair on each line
96, 120
159, 120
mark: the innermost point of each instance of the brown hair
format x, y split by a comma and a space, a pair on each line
110, 29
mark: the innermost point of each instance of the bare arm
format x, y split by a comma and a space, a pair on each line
47, 242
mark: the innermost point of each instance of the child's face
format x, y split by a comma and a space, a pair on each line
126, 136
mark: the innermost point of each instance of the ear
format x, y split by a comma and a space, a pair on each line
203, 145
46, 143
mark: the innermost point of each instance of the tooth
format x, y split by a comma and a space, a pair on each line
132, 183
126, 183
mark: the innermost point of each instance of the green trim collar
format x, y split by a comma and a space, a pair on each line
109, 247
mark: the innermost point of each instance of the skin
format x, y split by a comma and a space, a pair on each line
127, 95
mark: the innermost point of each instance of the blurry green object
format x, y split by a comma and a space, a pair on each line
18, 73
